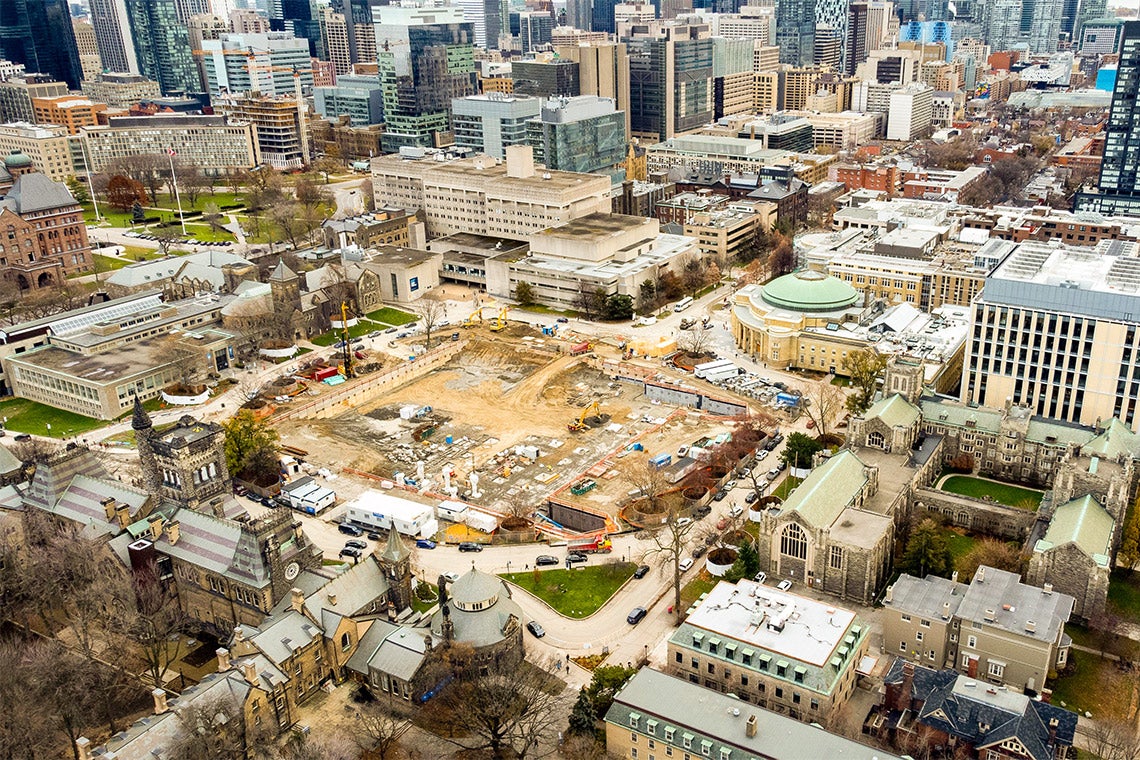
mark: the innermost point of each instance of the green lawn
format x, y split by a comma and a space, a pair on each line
332, 336
1011, 496
786, 487
208, 234
1124, 594
575, 593
960, 545
1095, 685
391, 316
692, 590
23, 416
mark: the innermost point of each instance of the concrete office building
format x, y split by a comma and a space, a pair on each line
121, 90
1055, 330
603, 70
16, 94
88, 47
671, 79
51, 150
281, 126
583, 134
789, 654
546, 77
113, 36
481, 196
489, 123
207, 142
262, 63
910, 113
359, 97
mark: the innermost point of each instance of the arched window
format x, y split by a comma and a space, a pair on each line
877, 440
793, 542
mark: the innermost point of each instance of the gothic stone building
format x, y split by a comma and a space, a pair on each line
43, 238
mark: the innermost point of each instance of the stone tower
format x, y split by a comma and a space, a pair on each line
144, 440
395, 561
191, 458
285, 285
903, 377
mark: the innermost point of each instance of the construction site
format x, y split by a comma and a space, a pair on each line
517, 422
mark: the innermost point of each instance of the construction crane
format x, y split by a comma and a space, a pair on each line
346, 347
579, 425
500, 322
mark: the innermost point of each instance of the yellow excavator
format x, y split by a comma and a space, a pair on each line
579, 425
500, 322
475, 319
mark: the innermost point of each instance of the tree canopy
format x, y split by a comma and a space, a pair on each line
927, 552
864, 368
248, 441
800, 449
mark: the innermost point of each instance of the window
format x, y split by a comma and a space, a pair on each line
669, 731
902, 647
345, 642
793, 541
997, 669
924, 623
918, 636
835, 557
965, 661
972, 642
906, 618
633, 752
680, 657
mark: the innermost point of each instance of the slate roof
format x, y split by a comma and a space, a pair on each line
394, 550
355, 590
1083, 522
36, 192
280, 636
401, 653
74, 484
1014, 604
828, 489
956, 415
8, 462
894, 411
205, 266
219, 546
282, 272
484, 627
984, 715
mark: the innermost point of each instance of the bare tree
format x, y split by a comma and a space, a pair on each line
212, 730
669, 545
23, 721
166, 237
378, 732
648, 480
1111, 739
431, 311
822, 403
191, 182
695, 341
153, 621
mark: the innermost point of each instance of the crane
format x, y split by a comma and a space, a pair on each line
579, 425
346, 348
500, 322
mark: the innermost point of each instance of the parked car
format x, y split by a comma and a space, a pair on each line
470, 546
703, 511
751, 497
349, 529
720, 495
545, 559
686, 563
23, 437
730, 485
697, 554
451, 577
760, 577
348, 551
575, 557
374, 535
784, 585
636, 616
355, 543
736, 510
810, 424
722, 523
782, 466
682, 451
425, 543
684, 521
563, 320
536, 629
762, 454
641, 571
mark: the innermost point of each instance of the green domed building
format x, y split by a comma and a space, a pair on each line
798, 321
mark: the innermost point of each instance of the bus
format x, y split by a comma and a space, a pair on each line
683, 304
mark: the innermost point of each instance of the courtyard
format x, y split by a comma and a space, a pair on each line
992, 490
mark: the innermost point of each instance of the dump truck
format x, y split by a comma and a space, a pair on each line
598, 544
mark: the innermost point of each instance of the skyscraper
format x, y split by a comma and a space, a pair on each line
1041, 24
670, 80
832, 15
38, 34
603, 16
795, 31
1118, 185
302, 19
113, 36
162, 45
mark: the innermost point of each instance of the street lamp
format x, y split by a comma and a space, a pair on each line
508, 567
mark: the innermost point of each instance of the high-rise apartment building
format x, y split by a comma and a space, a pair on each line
301, 17
1119, 190
426, 58
1041, 24
263, 63
39, 34
1057, 329
583, 134
732, 75
603, 70
334, 36
281, 125
489, 123
795, 31
162, 45
910, 113
244, 21
578, 14
867, 25
670, 79
121, 90
88, 48
831, 19
532, 30
358, 26
113, 36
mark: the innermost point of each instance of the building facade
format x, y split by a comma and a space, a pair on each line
39, 34
46, 238
207, 142
489, 123
583, 134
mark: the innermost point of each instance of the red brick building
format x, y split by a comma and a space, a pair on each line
43, 237
858, 177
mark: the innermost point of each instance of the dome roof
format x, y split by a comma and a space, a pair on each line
809, 290
475, 590
17, 160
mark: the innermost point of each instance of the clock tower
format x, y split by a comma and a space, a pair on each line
395, 561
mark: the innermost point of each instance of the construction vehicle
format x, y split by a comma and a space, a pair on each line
581, 348
579, 425
598, 544
500, 321
346, 341
475, 319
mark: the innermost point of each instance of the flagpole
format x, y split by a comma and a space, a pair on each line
90, 184
174, 181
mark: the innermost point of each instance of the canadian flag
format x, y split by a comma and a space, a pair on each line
171, 152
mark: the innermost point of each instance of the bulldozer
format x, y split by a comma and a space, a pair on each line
579, 425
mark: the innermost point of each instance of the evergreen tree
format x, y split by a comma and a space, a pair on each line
927, 552
582, 715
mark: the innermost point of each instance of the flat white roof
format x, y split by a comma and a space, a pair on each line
743, 611
386, 505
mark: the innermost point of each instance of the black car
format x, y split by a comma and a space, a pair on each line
751, 497
636, 616
469, 546
771, 444
720, 495
545, 559
350, 530
782, 466
641, 571
536, 629
699, 552
348, 551
355, 543
574, 557
374, 535
21, 437
703, 511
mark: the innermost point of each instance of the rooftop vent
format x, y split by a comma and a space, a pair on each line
990, 616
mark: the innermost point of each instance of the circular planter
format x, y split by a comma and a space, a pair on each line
755, 513
339, 325
694, 493
736, 538
182, 399
278, 353
720, 560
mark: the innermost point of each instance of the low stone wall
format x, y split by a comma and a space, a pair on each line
354, 393
987, 517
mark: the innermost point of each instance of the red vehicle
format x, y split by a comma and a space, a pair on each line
598, 544
324, 373
810, 424
580, 348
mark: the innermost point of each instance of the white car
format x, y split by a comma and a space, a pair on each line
736, 510
762, 454
684, 521
784, 585
686, 563
760, 577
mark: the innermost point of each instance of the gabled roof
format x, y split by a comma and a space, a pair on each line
828, 489
219, 546
73, 485
36, 192
1083, 522
282, 635
894, 411
1115, 441
350, 593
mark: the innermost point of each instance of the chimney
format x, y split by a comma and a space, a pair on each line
946, 610
155, 526
123, 515
332, 598
890, 595
750, 726
1053, 724
239, 634
249, 672
1048, 589
981, 576
159, 701
989, 616
298, 602
1047, 696
223, 659
428, 645
108, 507
954, 577
906, 689
83, 746
173, 532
